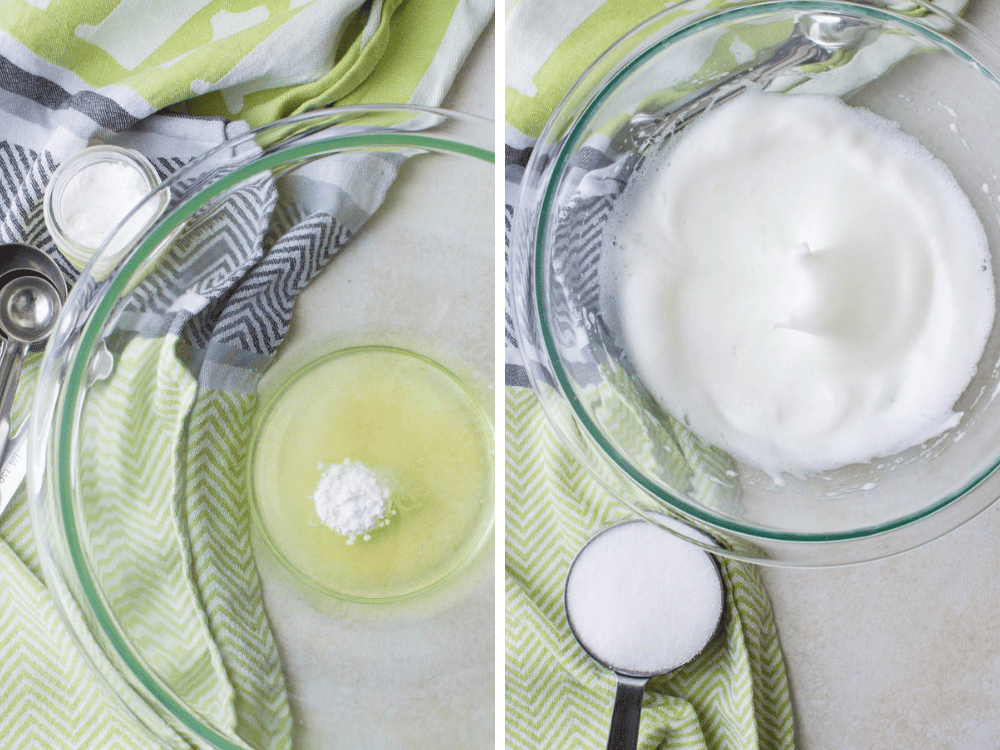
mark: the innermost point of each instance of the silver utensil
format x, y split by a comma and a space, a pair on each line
24, 260
29, 308
816, 38
32, 290
14, 464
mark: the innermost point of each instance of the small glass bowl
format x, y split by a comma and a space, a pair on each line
428, 436
119, 239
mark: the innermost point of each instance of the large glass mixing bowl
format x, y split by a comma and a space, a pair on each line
217, 608
911, 62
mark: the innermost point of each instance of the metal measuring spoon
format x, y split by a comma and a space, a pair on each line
29, 308
19, 261
24, 260
624, 567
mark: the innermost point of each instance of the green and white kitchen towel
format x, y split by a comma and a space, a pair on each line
735, 694
73, 73
118, 61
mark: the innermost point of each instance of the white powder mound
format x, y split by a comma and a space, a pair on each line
351, 499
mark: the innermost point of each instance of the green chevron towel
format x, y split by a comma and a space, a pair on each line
177, 566
735, 694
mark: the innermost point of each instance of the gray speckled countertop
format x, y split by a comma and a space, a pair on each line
902, 653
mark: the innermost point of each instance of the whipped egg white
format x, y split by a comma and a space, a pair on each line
802, 283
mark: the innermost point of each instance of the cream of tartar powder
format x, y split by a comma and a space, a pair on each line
91, 193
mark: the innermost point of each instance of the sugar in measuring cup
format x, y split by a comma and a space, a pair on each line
642, 602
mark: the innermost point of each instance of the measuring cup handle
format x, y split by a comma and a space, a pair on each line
624, 732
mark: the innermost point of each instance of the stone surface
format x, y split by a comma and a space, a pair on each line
904, 652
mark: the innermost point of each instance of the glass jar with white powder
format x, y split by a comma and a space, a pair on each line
91, 194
